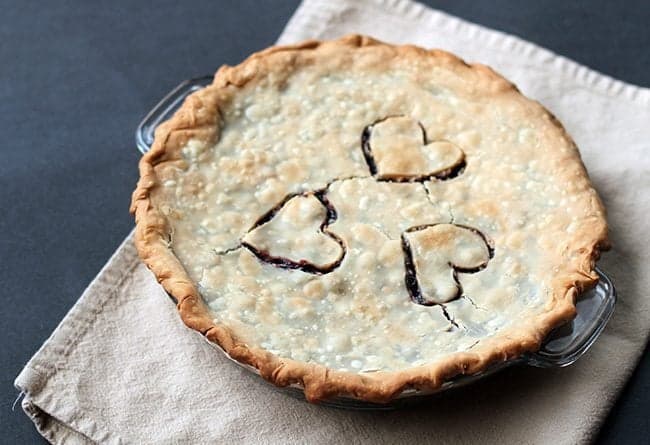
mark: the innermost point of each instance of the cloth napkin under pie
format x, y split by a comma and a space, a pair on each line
122, 368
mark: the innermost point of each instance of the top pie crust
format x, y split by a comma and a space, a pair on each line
360, 218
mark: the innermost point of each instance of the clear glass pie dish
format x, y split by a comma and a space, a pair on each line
562, 347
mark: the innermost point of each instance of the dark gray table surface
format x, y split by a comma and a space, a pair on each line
77, 76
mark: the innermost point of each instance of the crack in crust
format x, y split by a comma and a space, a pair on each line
269, 214
410, 276
199, 118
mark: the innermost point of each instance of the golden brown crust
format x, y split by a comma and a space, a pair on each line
199, 117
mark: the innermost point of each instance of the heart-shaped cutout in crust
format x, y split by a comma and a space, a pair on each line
294, 235
396, 148
435, 254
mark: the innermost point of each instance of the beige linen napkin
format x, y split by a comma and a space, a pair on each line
122, 368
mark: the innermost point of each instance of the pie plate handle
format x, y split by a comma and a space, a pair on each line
165, 109
570, 341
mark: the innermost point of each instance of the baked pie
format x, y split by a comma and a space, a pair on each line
360, 218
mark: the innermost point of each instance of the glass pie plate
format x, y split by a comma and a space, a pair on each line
563, 347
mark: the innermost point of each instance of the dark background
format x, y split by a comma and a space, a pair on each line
77, 76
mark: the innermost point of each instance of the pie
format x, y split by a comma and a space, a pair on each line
360, 218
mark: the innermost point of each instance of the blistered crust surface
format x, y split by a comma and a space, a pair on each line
487, 175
